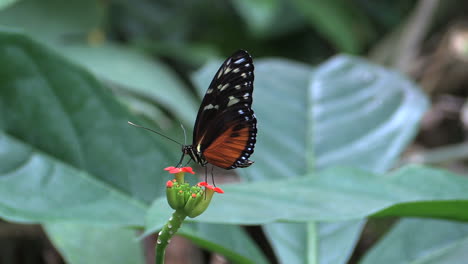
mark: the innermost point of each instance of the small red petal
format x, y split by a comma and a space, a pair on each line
174, 170
169, 184
194, 195
169, 168
202, 184
218, 190
188, 169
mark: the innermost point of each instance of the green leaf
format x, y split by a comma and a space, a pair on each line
363, 115
237, 247
339, 194
337, 240
137, 74
53, 21
37, 188
341, 22
61, 111
91, 244
288, 239
422, 242
333, 247
6, 3
326, 243
344, 96
456, 253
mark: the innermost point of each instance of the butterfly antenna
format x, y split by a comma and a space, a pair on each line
185, 134
156, 132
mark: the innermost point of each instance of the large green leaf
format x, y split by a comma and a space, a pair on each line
338, 194
330, 242
345, 95
61, 110
78, 244
337, 240
237, 246
424, 242
35, 187
135, 73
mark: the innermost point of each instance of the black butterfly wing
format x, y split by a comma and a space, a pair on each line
225, 130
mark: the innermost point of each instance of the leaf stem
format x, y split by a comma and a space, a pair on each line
167, 232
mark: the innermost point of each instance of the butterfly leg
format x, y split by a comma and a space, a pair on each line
206, 176
180, 161
212, 176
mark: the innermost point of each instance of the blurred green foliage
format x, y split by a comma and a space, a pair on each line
302, 30
194, 31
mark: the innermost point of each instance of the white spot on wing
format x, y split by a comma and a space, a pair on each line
227, 70
223, 87
232, 100
236, 70
246, 95
244, 75
210, 90
210, 106
237, 87
239, 61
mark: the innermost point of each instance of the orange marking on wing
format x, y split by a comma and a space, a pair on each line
225, 150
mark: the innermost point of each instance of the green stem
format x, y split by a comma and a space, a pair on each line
167, 232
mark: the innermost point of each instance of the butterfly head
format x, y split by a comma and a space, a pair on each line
193, 154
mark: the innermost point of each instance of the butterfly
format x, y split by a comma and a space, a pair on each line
225, 130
